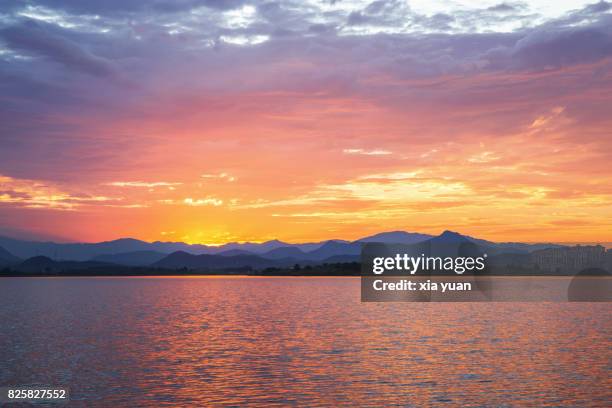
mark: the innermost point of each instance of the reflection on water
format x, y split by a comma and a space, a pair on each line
306, 341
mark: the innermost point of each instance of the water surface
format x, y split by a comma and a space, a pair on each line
295, 341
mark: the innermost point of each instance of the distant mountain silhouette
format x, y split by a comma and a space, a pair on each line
503, 258
182, 259
491, 248
333, 248
45, 264
397, 237
71, 251
133, 252
234, 252
136, 258
37, 262
7, 259
512, 247
251, 247
449, 237
342, 259
447, 244
285, 252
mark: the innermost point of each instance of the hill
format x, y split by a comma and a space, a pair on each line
396, 237
180, 259
285, 252
333, 248
136, 258
7, 259
43, 264
141, 252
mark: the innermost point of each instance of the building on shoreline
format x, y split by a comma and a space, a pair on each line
572, 259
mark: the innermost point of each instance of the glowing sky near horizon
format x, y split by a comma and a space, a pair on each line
233, 120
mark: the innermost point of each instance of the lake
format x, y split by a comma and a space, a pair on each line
150, 342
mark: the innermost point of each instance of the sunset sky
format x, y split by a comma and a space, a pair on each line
230, 120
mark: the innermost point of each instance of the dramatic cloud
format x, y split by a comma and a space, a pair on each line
31, 37
292, 119
374, 152
203, 201
147, 184
219, 176
36, 194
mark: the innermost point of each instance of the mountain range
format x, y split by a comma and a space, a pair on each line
176, 255
86, 251
6, 258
